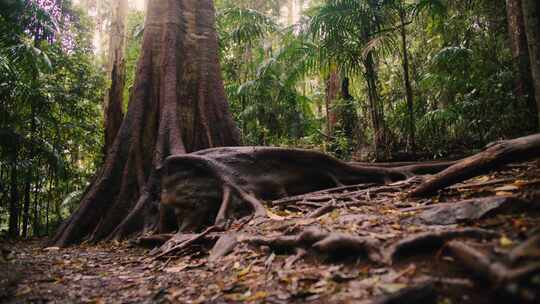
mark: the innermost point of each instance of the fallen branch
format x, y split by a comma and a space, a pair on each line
493, 157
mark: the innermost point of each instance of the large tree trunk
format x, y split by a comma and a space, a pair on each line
178, 105
532, 29
113, 103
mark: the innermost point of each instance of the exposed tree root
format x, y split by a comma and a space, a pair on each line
431, 241
225, 245
168, 248
488, 269
153, 240
494, 156
330, 243
213, 183
349, 196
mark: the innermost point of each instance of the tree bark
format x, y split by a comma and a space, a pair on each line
347, 114
113, 103
375, 106
520, 53
532, 29
178, 106
332, 91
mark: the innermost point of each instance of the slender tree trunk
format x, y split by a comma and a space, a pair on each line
178, 106
348, 115
376, 109
36, 223
113, 103
411, 143
332, 94
26, 204
48, 206
14, 200
532, 29
28, 177
520, 53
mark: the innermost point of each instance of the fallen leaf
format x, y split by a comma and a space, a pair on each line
507, 188
176, 269
51, 249
274, 216
391, 287
23, 291
505, 241
244, 271
259, 295
483, 178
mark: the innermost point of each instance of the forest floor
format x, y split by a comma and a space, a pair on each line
432, 250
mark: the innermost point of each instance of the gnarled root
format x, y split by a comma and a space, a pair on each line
431, 241
330, 243
497, 274
216, 182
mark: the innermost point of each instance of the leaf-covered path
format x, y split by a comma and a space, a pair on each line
476, 242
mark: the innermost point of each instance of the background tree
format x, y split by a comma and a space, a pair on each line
532, 28
113, 103
520, 53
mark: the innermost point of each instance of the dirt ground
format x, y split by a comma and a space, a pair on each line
419, 251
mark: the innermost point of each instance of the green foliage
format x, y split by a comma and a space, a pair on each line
460, 63
263, 78
50, 91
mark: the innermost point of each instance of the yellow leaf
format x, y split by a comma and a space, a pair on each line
244, 271
484, 178
520, 183
274, 216
507, 188
259, 295
505, 241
